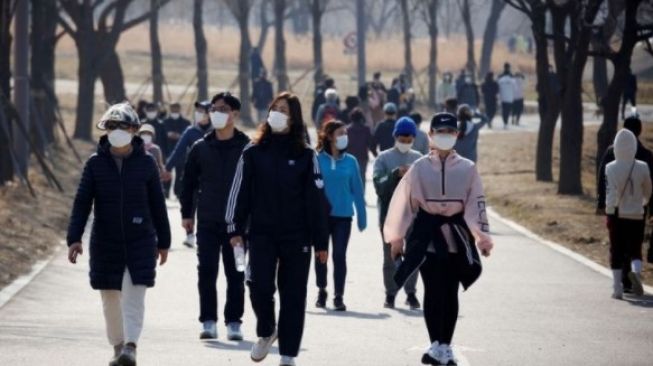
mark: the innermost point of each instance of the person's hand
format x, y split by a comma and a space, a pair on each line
73, 251
362, 226
401, 171
163, 256
322, 256
236, 241
396, 249
485, 245
188, 225
166, 176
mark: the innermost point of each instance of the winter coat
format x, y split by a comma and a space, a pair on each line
209, 170
360, 142
383, 137
279, 191
130, 216
186, 141
628, 180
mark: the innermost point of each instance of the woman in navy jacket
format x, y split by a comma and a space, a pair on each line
130, 227
278, 193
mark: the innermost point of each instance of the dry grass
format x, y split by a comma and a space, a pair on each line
512, 190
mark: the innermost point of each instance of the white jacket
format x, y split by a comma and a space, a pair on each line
506, 88
626, 191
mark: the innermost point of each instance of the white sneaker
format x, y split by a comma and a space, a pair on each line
261, 348
233, 332
209, 330
190, 240
447, 355
287, 361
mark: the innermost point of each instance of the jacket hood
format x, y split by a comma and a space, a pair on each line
625, 146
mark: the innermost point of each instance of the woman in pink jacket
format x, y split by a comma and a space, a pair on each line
441, 197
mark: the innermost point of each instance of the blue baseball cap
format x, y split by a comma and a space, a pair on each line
405, 126
390, 108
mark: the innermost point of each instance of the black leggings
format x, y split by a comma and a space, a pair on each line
440, 296
626, 239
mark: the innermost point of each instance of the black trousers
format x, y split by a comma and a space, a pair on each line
626, 239
179, 176
339, 231
211, 241
441, 284
285, 263
490, 110
506, 112
625, 99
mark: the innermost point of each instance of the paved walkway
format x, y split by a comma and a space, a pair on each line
533, 306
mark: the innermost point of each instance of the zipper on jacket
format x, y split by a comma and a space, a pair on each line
444, 191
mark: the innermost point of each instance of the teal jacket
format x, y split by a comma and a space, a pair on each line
343, 186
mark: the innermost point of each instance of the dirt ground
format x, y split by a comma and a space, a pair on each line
507, 163
32, 228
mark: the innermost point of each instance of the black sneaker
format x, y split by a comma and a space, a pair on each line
389, 302
428, 360
338, 304
412, 301
321, 299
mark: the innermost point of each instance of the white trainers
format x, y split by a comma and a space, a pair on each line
636, 281
261, 348
287, 361
447, 355
209, 330
190, 240
233, 332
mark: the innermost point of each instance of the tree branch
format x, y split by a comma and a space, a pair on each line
143, 17
66, 26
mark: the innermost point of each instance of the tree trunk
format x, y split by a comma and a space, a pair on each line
408, 59
243, 66
265, 25
155, 47
433, 51
6, 164
21, 85
280, 45
43, 42
469, 34
316, 13
360, 44
112, 77
86, 76
489, 36
200, 49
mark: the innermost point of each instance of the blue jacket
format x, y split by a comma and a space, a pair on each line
343, 186
178, 156
130, 216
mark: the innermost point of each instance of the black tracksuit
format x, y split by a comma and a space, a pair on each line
177, 125
278, 191
209, 169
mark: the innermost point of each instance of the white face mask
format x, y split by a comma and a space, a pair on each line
175, 115
444, 142
150, 115
199, 117
219, 120
342, 142
277, 121
147, 139
403, 147
120, 138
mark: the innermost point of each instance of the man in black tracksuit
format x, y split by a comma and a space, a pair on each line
209, 169
634, 124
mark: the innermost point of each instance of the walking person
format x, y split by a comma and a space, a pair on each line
389, 168
446, 90
178, 156
210, 166
278, 193
175, 126
344, 190
518, 103
470, 126
262, 95
121, 183
383, 138
441, 197
630, 92
160, 136
329, 110
421, 144
506, 94
146, 133
360, 141
628, 191
468, 92
490, 90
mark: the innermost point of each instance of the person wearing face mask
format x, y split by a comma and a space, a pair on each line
121, 183
208, 173
175, 126
468, 92
421, 139
278, 195
344, 190
160, 137
506, 94
446, 90
360, 140
441, 202
201, 127
389, 167
146, 133
470, 126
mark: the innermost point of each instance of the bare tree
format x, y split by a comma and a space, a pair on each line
280, 46
265, 24
429, 10
155, 49
466, 14
318, 7
379, 13
6, 16
241, 9
408, 58
490, 35
95, 42
200, 50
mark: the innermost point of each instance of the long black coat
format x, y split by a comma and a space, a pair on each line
130, 216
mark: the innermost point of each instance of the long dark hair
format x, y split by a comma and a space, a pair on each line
326, 133
295, 120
